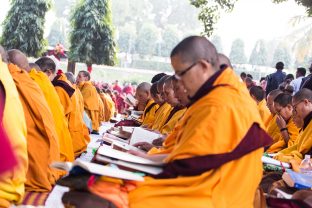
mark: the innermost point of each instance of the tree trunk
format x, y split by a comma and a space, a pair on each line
71, 66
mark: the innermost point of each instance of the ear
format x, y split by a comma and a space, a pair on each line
306, 101
289, 107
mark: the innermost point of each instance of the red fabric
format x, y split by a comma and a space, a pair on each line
89, 68
128, 90
117, 88
59, 72
7, 157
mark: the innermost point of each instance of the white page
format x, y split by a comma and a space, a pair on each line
141, 135
272, 161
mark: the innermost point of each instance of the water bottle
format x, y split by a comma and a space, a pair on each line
306, 165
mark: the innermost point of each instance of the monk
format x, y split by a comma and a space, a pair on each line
42, 140
302, 109
284, 120
216, 144
143, 95
164, 107
90, 98
258, 94
272, 128
12, 181
101, 107
70, 101
109, 106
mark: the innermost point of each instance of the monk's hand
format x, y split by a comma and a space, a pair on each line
137, 153
281, 123
158, 142
143, 146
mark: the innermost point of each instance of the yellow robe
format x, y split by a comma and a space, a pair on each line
213, 125
109, 106
161, 116
12, 182
101, 110
264, 112
168, 127
293, 132
149, 117
53, 100
42, 141
273, 130
73, 111
91, 104
302, 145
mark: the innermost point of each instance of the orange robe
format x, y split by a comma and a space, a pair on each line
170, 124
42, 141
212, 128
91, 104
109, 106
293, 132
101, 110
71, 102
264, 112
53, 100
12, 182
161, 116
149, 113
273, 130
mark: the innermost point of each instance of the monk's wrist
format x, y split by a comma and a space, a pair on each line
283, 129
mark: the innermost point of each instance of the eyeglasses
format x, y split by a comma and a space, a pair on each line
295, 106
179, 75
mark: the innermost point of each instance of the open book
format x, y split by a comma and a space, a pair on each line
130, 100
141, 135
98, 169
272, 161
107, 151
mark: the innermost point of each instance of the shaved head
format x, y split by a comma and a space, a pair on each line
169, 82
195, 48
303, 94
224, 60
144, 86
3, 54
275, 93
161, 82
70, 76
34, 66
18, 58
270, 100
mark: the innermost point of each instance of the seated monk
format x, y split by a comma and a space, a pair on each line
53, 100
177, 111
284, 120
69, 98
272, 128
164, 108
216, 144
42, 140
13, 121
101, 107
109, 106
90, 98
258, 94
143, 95
302, 110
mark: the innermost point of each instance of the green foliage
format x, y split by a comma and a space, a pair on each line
147, 39
216, 40
259, 55
237, 54
305, 3
281, 54
23, 27
92, 37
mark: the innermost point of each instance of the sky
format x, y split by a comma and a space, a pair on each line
250, 20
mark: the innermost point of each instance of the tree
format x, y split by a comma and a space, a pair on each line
237, 54
147, 39
23, 27
170, 38
281, 54
259, 55
92, 38
127, 37
216, 41
210, 10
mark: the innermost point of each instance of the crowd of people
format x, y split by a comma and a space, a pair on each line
215, 128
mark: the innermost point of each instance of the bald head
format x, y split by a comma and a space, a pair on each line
270, 100
195, 48
224, 61
303, 94
161, 82
34, 66
70, 76
274, 93
3, 54
18, 58
144, 87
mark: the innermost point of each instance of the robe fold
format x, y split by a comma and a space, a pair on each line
224, 135
101, 111
109, 106
293, 132
161, 116
42, 140
61, 124
91, 104
172, 120
72, 104
12, 182
148, 117
273, 130
264, 112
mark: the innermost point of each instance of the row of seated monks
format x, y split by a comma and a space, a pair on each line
42, 115
216, 131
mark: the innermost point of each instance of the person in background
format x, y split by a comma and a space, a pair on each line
275, 79
296, 83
